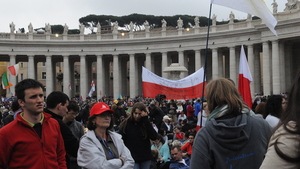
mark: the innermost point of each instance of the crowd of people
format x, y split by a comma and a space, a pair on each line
220, 131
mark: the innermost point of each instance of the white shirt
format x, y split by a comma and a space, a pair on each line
203, 119
272, 120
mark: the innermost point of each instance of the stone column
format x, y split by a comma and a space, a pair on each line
49, 75
132, 76
198, 64
72, 78
100, 77
251, 66
215, 66
164, 64
257, 71
123, 87
181, 62
282, 61
12, 79
275, 67
266, 69
288, 66
83, 77
116, 78
232, 65
66, 73
31, 67
148, 61
220, 64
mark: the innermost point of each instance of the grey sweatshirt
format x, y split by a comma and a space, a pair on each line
234, 143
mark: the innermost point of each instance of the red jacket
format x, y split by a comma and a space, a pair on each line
21, 147
188, 147
190, 111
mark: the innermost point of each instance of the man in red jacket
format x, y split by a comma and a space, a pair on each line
33, 140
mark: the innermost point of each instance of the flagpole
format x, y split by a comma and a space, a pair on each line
205, 61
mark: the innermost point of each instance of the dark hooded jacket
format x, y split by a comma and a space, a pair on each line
236, 142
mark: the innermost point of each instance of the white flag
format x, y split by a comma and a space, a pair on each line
254, 7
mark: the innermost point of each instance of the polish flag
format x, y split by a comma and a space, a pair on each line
14, 70
186, 88
245, 79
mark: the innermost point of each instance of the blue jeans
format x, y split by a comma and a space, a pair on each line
142, 165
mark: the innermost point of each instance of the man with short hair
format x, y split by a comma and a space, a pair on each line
57, 103
178, 162
188, 146
33, 140
75, 126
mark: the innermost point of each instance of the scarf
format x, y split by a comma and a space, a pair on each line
223, 110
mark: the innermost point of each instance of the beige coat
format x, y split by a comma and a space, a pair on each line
288, 143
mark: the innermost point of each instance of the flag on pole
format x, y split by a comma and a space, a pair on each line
5, 83
254, 7
92, 89
69, 86
186, 88
245, 79
14, 70
120, 96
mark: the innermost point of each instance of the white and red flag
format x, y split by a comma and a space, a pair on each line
186, 88
14, 69
69, 86
92, 89
245, 79
254, 7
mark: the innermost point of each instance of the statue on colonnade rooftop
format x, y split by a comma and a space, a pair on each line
196, 20
12, 27
30, 28
291, 4
275, 7
98, 28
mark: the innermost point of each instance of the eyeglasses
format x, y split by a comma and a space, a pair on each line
104, 115
74, 114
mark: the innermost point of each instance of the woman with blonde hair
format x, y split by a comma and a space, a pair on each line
233, 137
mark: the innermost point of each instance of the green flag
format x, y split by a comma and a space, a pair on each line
5, 83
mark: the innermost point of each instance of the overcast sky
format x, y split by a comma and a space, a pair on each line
55, 12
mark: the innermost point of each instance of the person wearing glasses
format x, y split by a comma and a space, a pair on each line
75, 127
188, 146
101, 148
137, 132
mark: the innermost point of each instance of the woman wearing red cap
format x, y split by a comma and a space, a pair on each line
100, 148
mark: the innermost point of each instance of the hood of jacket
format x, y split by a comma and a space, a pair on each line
232, 133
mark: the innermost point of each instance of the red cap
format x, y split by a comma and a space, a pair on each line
99, 108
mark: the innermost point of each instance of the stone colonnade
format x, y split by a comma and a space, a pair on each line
268, 63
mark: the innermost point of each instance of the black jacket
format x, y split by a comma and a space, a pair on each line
71, 142
140, 147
